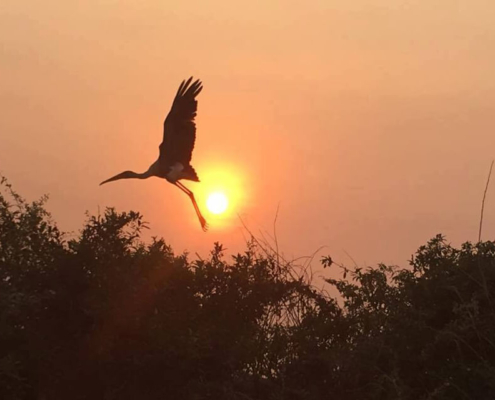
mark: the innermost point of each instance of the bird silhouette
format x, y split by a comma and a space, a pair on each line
179, 135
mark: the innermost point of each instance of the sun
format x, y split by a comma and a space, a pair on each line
217, 203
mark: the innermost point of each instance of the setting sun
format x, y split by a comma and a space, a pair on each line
221, 193
217, 203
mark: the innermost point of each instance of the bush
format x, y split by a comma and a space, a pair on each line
108, 316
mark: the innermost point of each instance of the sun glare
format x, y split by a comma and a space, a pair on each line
221, 194
217, 203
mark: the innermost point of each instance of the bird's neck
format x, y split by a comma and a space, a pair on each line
136, 175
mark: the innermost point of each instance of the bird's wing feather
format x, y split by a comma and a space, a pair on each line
179, 129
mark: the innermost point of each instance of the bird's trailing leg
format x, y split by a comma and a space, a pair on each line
202, 220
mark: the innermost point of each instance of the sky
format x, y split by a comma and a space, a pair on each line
368, 125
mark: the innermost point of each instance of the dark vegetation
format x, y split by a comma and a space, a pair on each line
105, 316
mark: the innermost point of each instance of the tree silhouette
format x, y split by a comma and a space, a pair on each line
107, 316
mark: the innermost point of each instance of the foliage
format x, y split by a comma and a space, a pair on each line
108, 316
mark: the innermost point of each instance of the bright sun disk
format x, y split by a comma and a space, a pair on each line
217, 203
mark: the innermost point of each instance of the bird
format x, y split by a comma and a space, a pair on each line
175, 151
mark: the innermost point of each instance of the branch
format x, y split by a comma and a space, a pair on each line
483, 202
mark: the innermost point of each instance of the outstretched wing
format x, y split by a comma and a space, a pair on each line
179, 129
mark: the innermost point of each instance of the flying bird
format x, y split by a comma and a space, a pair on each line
179, 135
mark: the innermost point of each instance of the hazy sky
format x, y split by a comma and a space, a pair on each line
370, 123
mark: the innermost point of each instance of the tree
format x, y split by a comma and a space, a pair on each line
105, 315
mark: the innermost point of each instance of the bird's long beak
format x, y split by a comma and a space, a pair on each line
122, 175
108, 180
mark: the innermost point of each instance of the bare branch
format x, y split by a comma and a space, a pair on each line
483, 202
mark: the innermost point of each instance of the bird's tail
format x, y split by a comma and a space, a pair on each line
190, 174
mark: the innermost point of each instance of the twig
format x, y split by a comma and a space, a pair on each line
483, 202
352, 259
275, 233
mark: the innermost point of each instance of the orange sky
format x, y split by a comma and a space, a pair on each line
371, 125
